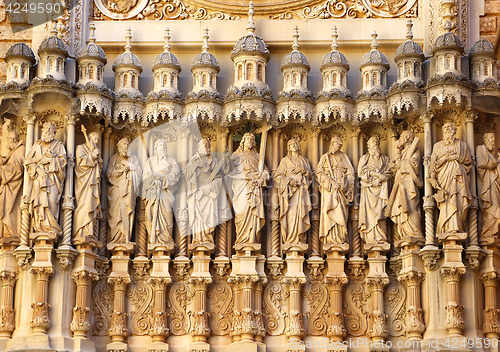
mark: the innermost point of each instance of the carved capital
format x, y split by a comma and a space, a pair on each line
8, 278
337, 326
160, 325
427, 116
315, 269
40, 317
141, 270
159, 283
199, 283
224, 132
42, 273
315, 132
71, 161
454, 316
490, 279
415, 320
335, 283
29, 118
81, 319
200, 324
181, 269
295, 326
469, 115
68, 203
491, 318
428, 202
119, 283
355, 131
378, 326
430, 257
452, 274
118, 324
377, 282
412, 278
84, 277
7, 319
293, 283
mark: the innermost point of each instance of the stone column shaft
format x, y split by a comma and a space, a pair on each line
454, 310
68, 204
200, 329
336, 330
25, 216
472, 212
275, 225
428, 200
81, 312
159, 330
491, 313
7, 321
103, 223
40, 319
415, 326
356, 239
315, 242
118, 329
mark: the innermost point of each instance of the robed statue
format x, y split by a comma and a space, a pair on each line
124, 175
88, 170
207, 203
374, 173
404, 202
249, 177
488, 172
335, 176
161, 173
449, 176
293, 178
46, 166
11, 181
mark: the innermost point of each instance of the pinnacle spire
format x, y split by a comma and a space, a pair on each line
374, 40
205, 46
409, 34
92, 33
128, 38
166, 47
295, 45
335, 45
251, 25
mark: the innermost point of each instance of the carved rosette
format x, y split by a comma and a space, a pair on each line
379, 325
118, 324
81, 321
40, 318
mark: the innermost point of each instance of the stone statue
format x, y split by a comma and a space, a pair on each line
335, 176
449, 175
374, 173
293, 178
46, 166
87, 188
124, 175
248, 197
488, 171
206, 205
11, 180
403, 207
161, 173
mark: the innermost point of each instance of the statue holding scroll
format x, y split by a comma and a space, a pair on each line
488, 172
249, 177
46, 166
124, 175
335, 176
207, 204
161, 173
403, 207
374, 173
87, 187
449, 176
11, 180
293, 178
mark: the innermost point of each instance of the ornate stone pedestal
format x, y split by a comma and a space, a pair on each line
119, 279
377, 279
293, 281
198, 282
248, 270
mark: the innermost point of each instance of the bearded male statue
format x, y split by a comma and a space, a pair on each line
449, 176
335, 176
11, 180
88, 170
374, 173
488, 172
46, 166
403, 207
124, 175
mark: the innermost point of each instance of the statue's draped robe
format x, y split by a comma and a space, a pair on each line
159, 177
488, 171
294, 200
373, 198
87, 192
46, 166
334, 202
206, 206
453, 177
247, 198
122, 194
11, 174
403, 207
